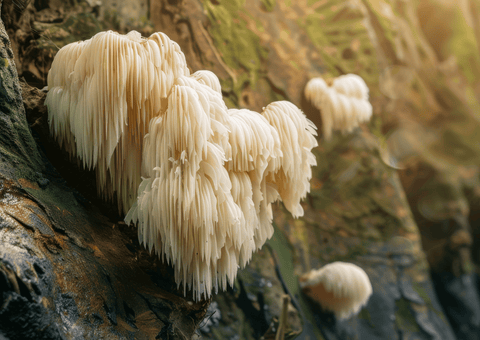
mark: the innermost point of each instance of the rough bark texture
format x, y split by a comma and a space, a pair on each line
66, 270
400, 198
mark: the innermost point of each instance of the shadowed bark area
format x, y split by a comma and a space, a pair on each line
67, 270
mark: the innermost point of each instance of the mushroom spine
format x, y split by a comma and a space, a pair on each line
197, 178
103, 92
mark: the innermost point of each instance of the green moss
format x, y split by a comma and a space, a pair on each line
375, 127
404, 318
239, 47
421, 290
338, 33
295, 65
463, 45
228, 101
365, 315
284, 251
112, 17
285, 255
82, 26
268, 4
378, 8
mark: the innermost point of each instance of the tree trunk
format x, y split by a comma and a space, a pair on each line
71, 269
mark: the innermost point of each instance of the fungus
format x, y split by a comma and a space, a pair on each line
185, 209
343, 105
208, 78
103, 93
254, 144
339, 287
204, 177
292, 173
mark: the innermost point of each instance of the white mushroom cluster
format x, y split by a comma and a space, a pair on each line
343, 104
339, 287
103, 92
202, 176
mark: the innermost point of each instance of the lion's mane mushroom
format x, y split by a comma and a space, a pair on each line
208, 78
103, 92
185, 209
208, 175
343, 105
254, 144
339, 287
291, 173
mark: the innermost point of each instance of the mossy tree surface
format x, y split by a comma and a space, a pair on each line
425, 99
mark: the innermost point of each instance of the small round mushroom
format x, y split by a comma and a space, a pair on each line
339, 287
343, 105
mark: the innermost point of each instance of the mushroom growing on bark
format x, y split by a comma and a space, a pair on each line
343, 103
203, 176
292, 173
339, 287
103, 92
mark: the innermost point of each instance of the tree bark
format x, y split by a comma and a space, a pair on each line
67, 270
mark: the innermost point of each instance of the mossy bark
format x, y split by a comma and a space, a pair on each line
425, 99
